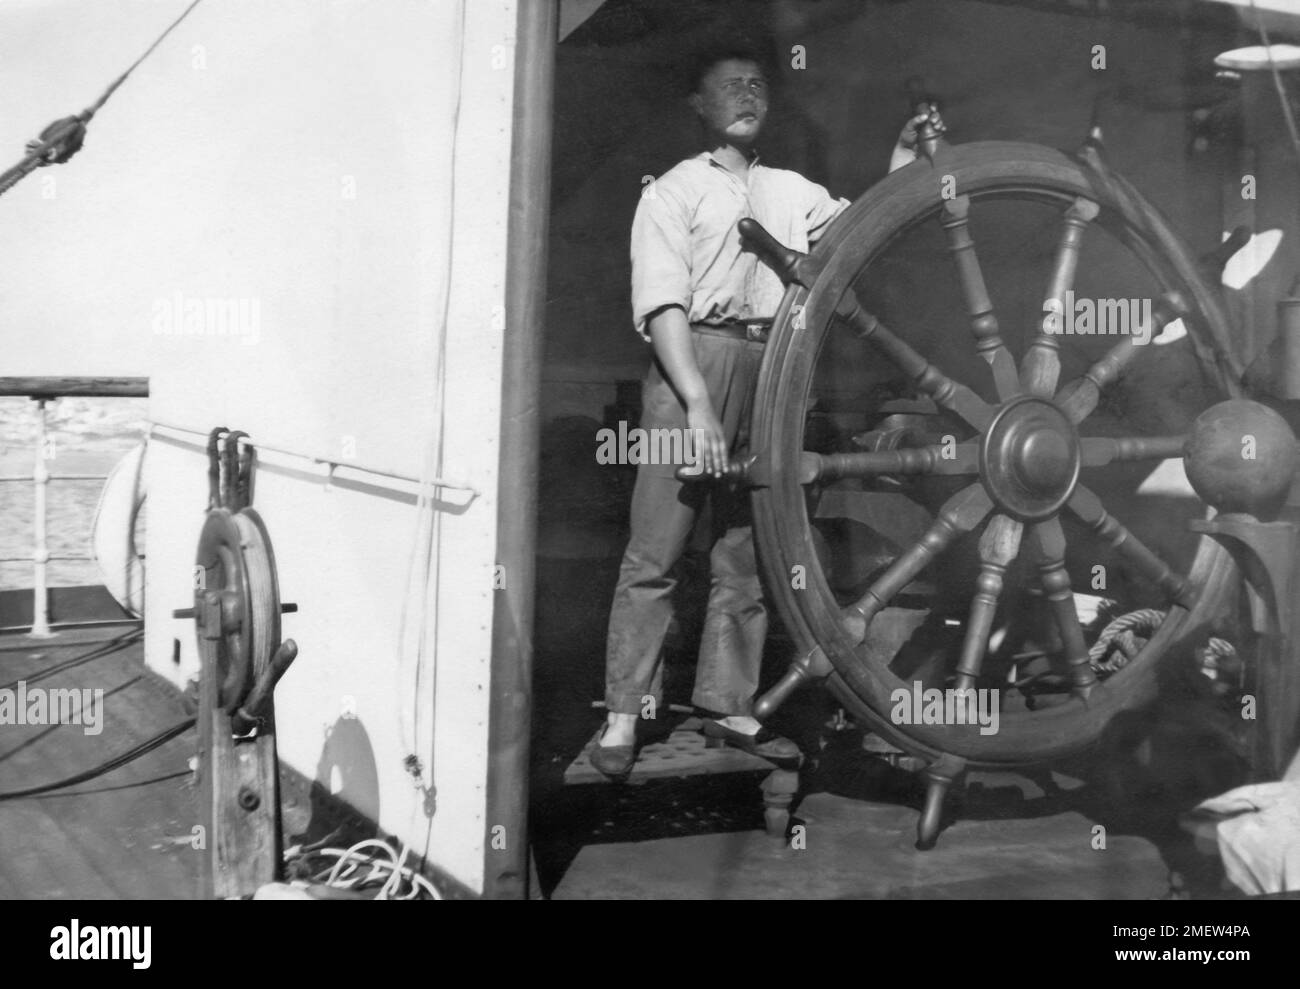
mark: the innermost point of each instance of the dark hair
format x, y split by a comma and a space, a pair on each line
740, 51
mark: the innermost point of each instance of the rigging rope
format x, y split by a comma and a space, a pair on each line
63, 138
1287, 113
417, 659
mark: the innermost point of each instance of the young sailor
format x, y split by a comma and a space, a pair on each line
705, 304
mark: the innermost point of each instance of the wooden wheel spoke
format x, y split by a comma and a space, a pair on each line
960, 458
1080, 396
1041, 366
1087, 507
960, 514
1049, 544
1098, 451
791, 266
998, 547
984, 324
929, 379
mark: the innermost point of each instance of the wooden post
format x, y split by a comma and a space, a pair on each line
505, 874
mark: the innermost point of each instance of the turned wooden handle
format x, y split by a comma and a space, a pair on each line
250, 713
813, 665
778, 257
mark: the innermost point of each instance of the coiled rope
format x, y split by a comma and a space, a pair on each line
1122, 639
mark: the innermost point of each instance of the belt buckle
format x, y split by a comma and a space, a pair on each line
757, 332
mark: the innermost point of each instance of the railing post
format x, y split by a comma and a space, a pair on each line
40, 552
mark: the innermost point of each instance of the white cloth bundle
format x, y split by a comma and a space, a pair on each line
1259, 841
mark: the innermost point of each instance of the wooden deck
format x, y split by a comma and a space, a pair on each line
123, 835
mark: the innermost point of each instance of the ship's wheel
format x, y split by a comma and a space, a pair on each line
984, 465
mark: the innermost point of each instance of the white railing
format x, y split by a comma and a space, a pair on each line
41, 391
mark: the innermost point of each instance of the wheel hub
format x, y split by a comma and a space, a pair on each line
1030, 458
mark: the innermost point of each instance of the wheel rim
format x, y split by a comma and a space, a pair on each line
224, 573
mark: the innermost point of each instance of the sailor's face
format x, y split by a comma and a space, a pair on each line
732, 100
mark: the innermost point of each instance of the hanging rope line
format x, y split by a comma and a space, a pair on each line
417, 661
63, 138
1278, 84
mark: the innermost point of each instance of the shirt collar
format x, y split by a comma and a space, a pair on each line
754, 160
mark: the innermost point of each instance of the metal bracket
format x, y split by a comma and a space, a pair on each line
1265, 552
1267, 555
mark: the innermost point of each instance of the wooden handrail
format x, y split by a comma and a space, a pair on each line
55, 387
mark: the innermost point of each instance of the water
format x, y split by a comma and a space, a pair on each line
83, 436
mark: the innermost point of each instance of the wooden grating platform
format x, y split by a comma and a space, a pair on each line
682, 753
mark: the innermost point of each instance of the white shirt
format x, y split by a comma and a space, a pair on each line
686, 250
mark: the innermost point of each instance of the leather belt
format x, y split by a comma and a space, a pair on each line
753, 330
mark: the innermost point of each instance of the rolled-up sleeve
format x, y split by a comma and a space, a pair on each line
661, 256
821, 209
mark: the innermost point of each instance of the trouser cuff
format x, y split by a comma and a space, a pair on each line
632, 703
726, 705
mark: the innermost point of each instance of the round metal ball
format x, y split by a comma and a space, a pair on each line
1241, 457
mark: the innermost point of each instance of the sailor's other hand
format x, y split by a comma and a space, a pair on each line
909, 135
709, 440
905, 151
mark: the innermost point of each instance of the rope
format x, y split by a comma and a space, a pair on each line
394, 879
1277, 82
107, 649
63, 138
106, 767
134, 65
417, 658
1218, 649
1218, 660
1124, 638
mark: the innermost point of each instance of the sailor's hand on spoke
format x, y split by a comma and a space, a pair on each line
708, 437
